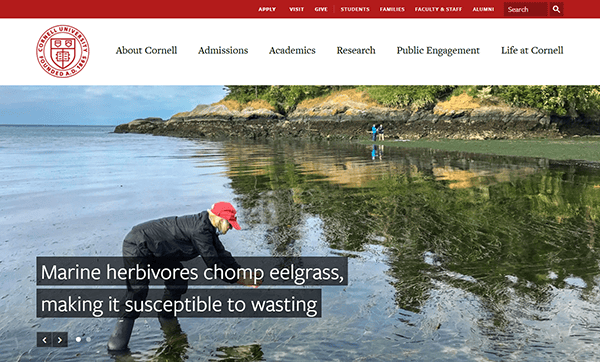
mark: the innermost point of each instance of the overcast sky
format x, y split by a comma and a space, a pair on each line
99, 105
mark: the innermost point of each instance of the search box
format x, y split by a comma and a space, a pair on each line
525, 9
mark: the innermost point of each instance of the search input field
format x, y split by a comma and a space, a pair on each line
526, 9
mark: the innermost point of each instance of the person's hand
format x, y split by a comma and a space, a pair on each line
250, 282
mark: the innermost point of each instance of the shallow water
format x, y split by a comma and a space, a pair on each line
453, 256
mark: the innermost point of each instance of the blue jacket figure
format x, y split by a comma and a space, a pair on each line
374, 129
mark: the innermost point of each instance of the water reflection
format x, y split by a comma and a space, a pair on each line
494, 225
174, 347
248, 353
490, 256
377, 152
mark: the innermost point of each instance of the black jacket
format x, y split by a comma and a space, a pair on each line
179, 238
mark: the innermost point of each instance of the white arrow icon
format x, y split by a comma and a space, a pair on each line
44, 340
59, 339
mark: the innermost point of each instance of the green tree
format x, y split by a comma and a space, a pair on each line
559, 100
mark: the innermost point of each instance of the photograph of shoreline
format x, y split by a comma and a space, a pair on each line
470, 227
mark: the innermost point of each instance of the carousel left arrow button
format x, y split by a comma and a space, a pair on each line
44, 339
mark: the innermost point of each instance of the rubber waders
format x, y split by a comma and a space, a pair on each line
120, 337
170, 326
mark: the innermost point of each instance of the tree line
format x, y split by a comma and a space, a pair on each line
555, 100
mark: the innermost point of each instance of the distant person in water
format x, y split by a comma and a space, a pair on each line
380, 136
165, 243
374, 130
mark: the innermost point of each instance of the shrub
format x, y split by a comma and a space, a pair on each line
559, 100
420, 97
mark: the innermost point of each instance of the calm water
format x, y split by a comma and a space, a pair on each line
453, 257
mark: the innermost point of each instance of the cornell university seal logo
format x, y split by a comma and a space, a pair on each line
62, 51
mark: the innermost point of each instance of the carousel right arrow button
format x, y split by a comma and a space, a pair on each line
60, 339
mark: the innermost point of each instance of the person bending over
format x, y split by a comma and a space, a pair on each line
165, 243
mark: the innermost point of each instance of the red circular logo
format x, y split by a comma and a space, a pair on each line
62, 51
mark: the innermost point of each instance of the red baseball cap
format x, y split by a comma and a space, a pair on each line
227, 212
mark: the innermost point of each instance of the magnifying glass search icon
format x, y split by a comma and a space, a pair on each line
555, 8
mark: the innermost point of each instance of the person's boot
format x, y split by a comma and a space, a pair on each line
119, 339
176, 343
169, 325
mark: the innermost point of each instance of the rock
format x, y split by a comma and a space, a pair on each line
345, 117
140, 125
179, 116
220, 111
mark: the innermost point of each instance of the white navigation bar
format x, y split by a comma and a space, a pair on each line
299, 51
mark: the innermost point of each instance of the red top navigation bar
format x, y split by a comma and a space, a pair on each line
309, 9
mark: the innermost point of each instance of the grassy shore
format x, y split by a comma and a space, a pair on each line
583, 148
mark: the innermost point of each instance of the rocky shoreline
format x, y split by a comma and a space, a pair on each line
348, 119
